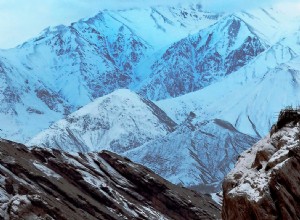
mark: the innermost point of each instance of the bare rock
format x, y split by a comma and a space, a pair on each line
50, 184
265, 183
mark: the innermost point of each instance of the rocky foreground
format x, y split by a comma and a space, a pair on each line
49, 184
265, 183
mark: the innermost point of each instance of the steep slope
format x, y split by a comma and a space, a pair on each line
251, 97
67, 67
95, 56
196, 154
23, 98
201, 59
70, 66
228, 48
50, 184
265, 181
118, 122
163, 25
85, 60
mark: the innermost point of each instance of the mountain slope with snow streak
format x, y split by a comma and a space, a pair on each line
251, 97
196, 154
202, 59
118, 122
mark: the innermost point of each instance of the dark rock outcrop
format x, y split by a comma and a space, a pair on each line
265, 183
49, 184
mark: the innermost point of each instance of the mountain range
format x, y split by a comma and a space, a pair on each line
179, 90
195, 153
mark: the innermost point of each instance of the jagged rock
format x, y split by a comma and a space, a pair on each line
50, 184
265, 181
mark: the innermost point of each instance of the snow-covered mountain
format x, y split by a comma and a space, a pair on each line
213, 53
246, 65
196, 154
27, 104
202, 59
73, 65
251, 97
85, 60
95, 56
118, 122
70, 66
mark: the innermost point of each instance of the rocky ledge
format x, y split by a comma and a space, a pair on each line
265, 183
50, 184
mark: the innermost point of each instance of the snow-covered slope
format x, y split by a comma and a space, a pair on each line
27, 104
202, 59
82, 61
271, 24
95, 56
70, 66
196, 154
161, 26
118, 122
251, 97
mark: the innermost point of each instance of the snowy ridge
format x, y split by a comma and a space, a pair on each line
75, 64
202, 59
196, 154
248, 98
118, 122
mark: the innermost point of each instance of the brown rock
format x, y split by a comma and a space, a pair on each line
49, 184
265, 183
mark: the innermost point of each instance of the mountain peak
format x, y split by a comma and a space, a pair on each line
118, 121
202, 59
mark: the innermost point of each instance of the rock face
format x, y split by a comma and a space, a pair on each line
50, 184
265, 181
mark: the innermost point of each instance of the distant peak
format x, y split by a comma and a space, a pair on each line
54, 29
123, 92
